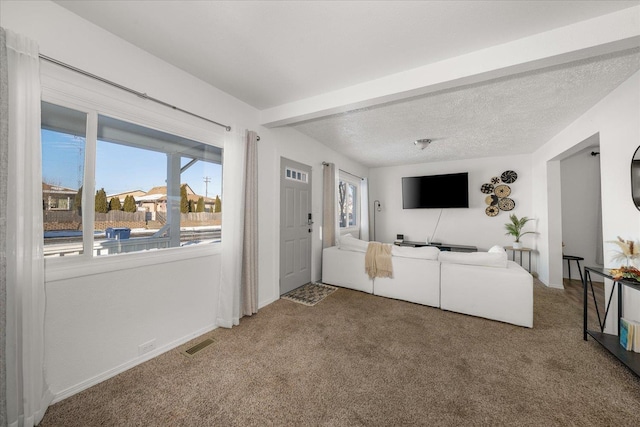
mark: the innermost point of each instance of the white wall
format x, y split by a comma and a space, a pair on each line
580, 176
616, 119
457, 226
96, 321
289, 143
66, 37
94, 324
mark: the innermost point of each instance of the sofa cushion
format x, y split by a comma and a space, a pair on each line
497, 249
350, 243
486, 259
425, 252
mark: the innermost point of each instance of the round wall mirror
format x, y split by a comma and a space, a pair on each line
635, 178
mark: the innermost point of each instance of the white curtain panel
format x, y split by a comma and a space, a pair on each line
329, 205
249, 282
233, 182
364, 209
4, 164
27, 392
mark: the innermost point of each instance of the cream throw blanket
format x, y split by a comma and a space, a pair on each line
377, 261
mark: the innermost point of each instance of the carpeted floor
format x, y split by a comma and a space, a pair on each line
356, 359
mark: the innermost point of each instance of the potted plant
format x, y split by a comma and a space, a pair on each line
515, 227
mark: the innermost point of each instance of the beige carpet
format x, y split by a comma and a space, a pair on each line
355, 360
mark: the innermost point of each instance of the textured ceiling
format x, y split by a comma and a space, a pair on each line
268, 53
271, 53
513, 115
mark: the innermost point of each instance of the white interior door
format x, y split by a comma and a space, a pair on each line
296, 225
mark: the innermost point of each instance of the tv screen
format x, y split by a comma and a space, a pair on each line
436, 191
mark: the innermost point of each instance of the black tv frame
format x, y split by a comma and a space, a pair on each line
443, 191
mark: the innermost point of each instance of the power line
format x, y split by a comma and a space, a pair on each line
206, 180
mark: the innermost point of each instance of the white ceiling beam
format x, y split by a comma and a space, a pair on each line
605, 34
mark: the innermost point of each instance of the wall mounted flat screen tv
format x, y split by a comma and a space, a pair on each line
436, 191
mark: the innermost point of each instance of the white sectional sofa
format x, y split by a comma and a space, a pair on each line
483, 284
345, 267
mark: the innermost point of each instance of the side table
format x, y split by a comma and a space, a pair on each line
521, 250
610, 342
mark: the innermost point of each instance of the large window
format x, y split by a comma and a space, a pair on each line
124, 187
348, 202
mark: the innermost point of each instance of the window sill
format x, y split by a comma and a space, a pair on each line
80, 266
354, 231
349, 230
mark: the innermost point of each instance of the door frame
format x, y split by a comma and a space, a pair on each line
309, 169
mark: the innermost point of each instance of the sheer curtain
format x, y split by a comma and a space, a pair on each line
249, 282
27, 394
238, 179
329, 210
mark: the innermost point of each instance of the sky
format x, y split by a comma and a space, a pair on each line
119, 168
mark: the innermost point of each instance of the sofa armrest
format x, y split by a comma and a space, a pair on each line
345, 268
504, 294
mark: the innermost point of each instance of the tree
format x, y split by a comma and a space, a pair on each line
101, 201
77, 202
192, 206
217, 205
200, 206
114, 204
184, 202
129, 204
342, 203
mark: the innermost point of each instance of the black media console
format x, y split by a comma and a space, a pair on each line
441, 246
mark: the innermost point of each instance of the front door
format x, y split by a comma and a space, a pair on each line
295, 225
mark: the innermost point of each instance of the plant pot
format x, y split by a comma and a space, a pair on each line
517, 245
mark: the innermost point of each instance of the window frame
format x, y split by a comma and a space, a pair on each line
356, 182
92, 97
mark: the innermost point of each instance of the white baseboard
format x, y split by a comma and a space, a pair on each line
224, 323
265, 303
128, 365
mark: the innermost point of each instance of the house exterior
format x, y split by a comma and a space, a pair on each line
135, 193
55, 197
155, 200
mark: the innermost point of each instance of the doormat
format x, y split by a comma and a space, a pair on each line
310, 294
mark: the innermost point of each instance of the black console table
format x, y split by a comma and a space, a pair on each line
441, 246
610, 342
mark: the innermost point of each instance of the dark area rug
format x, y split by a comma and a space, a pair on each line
309, 294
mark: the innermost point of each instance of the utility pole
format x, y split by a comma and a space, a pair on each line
207, 180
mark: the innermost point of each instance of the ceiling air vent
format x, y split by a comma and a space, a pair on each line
191, 351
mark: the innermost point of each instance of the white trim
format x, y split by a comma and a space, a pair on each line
604, 34
350, 230
78, 266
296, 175
89, 185
128, 365
69, 89
356, 181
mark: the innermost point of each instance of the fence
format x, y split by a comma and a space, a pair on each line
73, 216
114, 216
194, 219
71, 220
